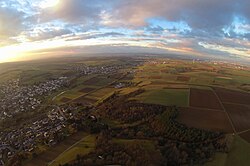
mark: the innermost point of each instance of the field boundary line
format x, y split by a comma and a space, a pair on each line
58, 95
207, 109
230, 120
189, 96
236, 104
244, 131
66, 150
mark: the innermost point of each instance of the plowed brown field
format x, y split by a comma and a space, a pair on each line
204, 98
205, 119
240, 115
232, 96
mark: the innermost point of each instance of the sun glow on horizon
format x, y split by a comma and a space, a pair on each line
8, 54
21, 51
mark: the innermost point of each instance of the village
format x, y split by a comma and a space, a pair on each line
59, 123
84, 69
16, 99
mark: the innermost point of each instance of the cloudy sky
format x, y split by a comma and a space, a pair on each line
40, 28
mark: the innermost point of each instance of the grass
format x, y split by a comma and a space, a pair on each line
75, 92
99, 81
50, 153
85, 146
102, 92
238, 155
68, 94
218, 160
203, 74
128, 90
4, 77
144, 83
178, 97
81, 80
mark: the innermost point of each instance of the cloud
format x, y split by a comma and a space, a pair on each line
188, 26
11, 22
47, 33
209, 15
206, 17
155, 29
73, 11
93, 35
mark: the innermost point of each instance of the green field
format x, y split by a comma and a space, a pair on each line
239, 154
99, 81
102, 93
199, 74
75, 90
68, 94
14, 74
83, 147
178, 97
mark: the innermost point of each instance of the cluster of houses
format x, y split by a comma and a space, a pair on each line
15, 98
87, 70
120, 85
84, 69
46, 131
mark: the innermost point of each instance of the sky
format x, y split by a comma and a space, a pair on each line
31, 29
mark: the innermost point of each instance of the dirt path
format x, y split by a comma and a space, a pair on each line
58, 95
241, 132
230, 120
53, 152
203, 108
66, 150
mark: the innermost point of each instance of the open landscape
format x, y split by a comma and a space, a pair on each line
100, 112
124, 83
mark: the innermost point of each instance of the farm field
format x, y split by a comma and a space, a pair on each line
8, 75
240, 115
83, 147
102, 92
183, 78
87, 90
204, 99
212, 87
179, 97
49, 155
232, 96
205, 119
98, 81
246, 136
238, 155
85, 86
67, 96
85, 100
